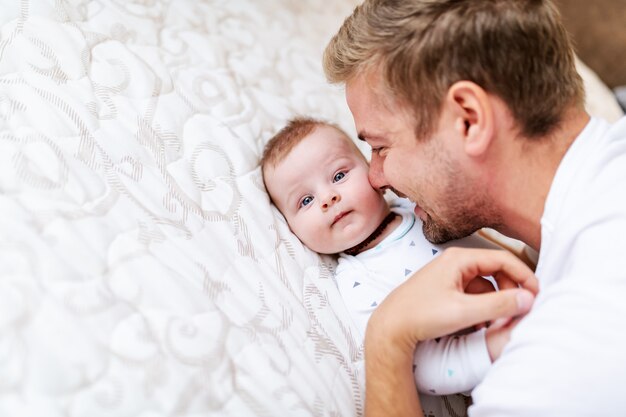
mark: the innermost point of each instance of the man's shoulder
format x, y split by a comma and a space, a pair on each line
619, 127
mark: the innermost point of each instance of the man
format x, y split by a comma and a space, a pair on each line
474, 110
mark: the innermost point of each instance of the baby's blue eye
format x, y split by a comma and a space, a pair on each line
339, 176
306, 201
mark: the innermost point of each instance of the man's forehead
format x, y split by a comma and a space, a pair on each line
371, 87
365, 88
363, 104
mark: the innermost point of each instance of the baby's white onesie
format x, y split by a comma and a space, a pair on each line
451, 364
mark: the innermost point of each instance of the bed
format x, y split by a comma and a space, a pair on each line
143, 271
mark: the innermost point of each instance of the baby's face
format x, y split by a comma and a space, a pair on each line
322, 189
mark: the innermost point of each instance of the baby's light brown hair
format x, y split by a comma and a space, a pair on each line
281, 144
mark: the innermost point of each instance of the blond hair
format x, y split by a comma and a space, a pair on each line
517, 50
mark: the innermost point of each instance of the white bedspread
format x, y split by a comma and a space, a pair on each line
143, 271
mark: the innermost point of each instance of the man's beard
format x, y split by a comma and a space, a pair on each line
464, 206
437, 233
464, 215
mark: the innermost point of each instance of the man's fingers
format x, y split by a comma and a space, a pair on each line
505, 267
505, 283
526, 280
491, 306
435, 294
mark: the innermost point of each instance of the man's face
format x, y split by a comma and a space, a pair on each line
322, 189
432, 171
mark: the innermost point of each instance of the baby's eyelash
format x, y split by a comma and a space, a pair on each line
301, 203
343, 174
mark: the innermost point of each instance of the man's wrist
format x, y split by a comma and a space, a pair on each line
390, 385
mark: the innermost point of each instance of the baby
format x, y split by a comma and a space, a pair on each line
318, 179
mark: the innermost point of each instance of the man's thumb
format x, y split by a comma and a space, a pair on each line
502, 304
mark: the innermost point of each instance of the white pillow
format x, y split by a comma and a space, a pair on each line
600, 101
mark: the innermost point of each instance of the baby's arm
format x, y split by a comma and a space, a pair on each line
451, 364
454, 364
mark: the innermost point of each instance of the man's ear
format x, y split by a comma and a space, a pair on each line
474, 116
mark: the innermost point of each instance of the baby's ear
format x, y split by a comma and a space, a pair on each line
474, 116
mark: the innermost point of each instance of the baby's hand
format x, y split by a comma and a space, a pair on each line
479, 285
499, 332
498, 335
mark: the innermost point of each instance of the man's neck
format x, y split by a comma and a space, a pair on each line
530, 177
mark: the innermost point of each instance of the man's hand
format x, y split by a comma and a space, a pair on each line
433, 302
430, 304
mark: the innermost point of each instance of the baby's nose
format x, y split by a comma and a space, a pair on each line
330, 200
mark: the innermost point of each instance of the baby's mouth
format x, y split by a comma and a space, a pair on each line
340, 216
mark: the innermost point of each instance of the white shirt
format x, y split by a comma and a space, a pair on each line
568, 356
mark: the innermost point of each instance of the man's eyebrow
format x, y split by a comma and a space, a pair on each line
364, 134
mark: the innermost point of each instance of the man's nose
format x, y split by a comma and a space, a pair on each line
331, 198
376, 175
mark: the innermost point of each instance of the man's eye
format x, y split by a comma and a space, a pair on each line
306, 201
339, 176
378, 150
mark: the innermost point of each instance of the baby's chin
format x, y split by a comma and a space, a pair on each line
339, 247
331, 251
324, 250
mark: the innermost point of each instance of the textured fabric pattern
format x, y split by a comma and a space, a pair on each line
143, 271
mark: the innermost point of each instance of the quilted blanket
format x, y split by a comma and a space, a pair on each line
143, 270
